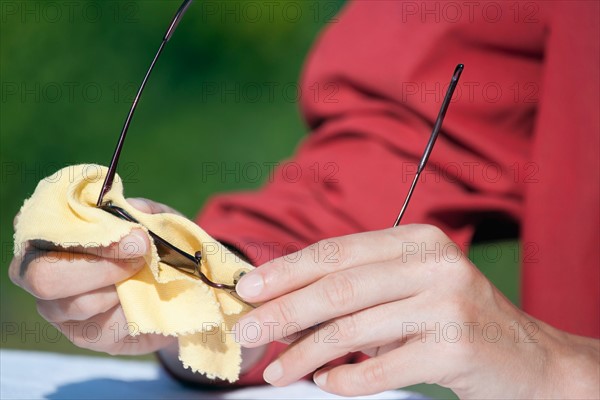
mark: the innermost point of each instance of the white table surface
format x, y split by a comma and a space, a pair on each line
39, 375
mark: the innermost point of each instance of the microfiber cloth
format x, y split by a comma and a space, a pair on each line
159, 298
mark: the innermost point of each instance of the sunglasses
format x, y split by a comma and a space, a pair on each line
192, 264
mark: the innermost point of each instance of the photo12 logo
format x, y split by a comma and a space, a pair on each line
454, 12
53, 12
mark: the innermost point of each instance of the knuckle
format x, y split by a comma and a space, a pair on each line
427, 232
464, 277
373, 374
339, 290
168, 209
452, 306
90, 336
140, 204
158, 208
347, 330
469, 278
327, 254
299, 354
333, 252
459, 309
287, 272
286, 311
129, 247
80, 308
153, 206
42, 284
433, 231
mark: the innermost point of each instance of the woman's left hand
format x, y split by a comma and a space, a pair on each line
410, 299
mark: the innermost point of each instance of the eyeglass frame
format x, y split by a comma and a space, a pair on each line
191, 264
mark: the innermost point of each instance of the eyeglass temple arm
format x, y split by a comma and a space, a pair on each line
434, 134
110, 176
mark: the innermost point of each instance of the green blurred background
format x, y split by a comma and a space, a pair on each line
69, 71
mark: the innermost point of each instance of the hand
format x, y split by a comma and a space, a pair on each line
412, 301
75, 288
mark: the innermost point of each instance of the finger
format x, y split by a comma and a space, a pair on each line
109, 332
151, 207
335, 295
16, 219
378, 350
54, 275
79, 308
135, 244
408, 365
297, 270
304, 355
368, 329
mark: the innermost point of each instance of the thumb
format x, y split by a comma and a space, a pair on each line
151, 207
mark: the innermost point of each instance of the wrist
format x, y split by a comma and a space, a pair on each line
575, 366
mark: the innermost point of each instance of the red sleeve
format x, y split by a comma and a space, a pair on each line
376, 78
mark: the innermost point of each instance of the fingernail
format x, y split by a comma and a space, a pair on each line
134, 244
320, 378
273, 372
250, 285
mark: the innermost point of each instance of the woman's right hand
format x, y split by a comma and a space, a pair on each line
75, 288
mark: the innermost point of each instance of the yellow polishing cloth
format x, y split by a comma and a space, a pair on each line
158, 299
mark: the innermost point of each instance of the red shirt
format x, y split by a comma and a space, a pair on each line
520, 142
